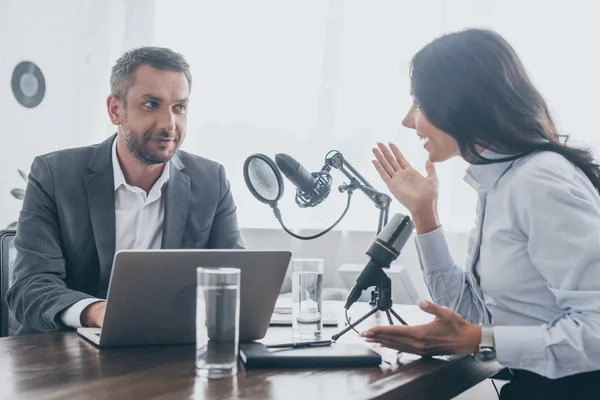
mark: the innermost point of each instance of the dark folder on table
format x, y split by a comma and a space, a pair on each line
338, 355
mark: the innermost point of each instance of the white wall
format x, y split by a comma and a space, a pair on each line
306, 77
297, 77
300, 78
74, 43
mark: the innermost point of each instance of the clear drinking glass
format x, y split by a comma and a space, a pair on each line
307, 298
217, 321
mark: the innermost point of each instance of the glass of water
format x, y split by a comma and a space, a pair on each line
307, 299
217, 321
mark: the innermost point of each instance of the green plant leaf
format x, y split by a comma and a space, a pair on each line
18, 193
13, 225
23, 175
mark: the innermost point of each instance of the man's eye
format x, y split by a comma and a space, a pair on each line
181, 107
151, 104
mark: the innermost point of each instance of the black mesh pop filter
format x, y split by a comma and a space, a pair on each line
263, 179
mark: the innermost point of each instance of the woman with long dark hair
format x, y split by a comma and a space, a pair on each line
530, 291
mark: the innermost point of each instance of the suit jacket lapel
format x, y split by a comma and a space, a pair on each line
177, 204
100, 192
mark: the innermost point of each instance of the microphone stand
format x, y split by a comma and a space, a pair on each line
335, 159
381, 296
383, 302
381, 200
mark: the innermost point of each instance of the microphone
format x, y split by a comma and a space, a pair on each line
312, 188
383, 251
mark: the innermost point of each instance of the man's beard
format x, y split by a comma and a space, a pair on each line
137, 144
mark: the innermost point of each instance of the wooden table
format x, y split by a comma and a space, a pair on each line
60, 365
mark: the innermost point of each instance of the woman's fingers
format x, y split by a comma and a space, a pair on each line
403, 162
396, 346
389, 156
382, 172
406, 342
413, 345
389, 170
390, 159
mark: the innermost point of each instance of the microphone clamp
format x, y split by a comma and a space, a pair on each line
318, 192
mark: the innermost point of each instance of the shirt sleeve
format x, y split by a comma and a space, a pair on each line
448, 284
560, 214
72, 315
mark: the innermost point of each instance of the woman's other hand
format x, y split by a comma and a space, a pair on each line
448, 333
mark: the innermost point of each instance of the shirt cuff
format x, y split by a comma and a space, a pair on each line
521, 347
433, 251
72, 316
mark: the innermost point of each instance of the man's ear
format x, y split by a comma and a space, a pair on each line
115, 110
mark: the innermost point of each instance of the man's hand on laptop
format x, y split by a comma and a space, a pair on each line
93, 315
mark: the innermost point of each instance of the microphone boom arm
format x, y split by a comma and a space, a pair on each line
335, 159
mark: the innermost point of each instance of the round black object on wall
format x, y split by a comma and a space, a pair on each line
28, 84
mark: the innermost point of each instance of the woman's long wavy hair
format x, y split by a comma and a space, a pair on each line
472, 85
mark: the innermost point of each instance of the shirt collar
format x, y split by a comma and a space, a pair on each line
119, 177
485, 176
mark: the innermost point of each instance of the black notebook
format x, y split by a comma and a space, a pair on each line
337, 355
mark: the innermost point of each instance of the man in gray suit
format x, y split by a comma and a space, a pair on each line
134, 190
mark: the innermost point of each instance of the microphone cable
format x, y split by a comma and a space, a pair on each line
277, 213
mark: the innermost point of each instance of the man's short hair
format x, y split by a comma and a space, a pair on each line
121, 78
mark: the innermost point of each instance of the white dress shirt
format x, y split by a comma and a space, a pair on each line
139, 221
536, 251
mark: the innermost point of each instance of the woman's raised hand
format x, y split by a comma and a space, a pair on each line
416, 192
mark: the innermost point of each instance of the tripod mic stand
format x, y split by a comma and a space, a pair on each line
383, 302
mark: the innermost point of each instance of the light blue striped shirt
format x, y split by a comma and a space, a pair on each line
536, 249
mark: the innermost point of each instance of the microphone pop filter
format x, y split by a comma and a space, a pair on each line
263, 179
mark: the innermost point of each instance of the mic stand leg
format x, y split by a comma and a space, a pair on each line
383, 303
397, 316
351, 326
387, 313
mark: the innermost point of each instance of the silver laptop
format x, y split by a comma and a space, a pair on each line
152, 294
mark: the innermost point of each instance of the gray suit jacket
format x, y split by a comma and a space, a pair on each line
66, 236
